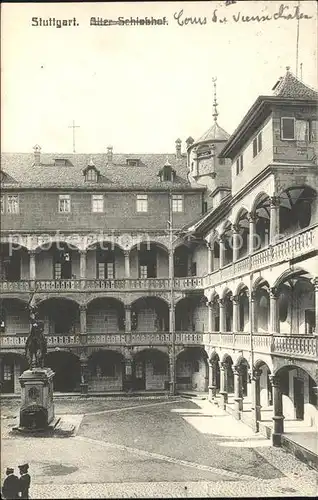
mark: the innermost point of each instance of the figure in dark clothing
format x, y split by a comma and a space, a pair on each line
11, 485
25, 481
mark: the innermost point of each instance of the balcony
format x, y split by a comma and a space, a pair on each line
13, 341
127, 284
290, 248
303, 346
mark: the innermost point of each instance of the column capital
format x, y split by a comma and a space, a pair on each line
221, 302
234, 299
274, 380
273, 292
32, 252
315, 283
252, 218
221, 239
83, 308
83, 251
126, 253
172, 306
274, 201
255, 373
127, 307
235, 228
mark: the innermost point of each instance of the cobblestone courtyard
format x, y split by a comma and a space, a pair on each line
152, 448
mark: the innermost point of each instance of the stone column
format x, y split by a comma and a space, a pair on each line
273, 309
83, 264
223, 388
251, 222
210, 257
278, 417
127, 263
171, 264
210, 392
238, 399
235, 240
127, 319
172, 370
222, 315
83, 325
127, 383
236, 323
210, 316
256, 399
315, 281
32, 254
274, 219
222, 250
84, 373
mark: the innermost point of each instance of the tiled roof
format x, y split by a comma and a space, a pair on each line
290, 86
215, 133
20, 167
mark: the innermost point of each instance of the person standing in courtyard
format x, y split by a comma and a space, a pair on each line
24, 481
11, 485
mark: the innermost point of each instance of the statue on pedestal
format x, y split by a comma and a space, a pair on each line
36, 345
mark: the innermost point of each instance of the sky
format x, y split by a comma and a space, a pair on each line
139, 88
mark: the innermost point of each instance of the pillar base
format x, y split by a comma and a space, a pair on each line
276, 439
278, 424
212, 392
224, 399
238, 407
84, 388
172, 388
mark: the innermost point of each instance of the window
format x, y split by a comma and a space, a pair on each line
12, 204
97, 203
132, 162
257, 144
91, 175
287, 129
143, 272
239, 164
177, 203
221, 161
64, 203
142, 202
105, 270
60, 162
2, 203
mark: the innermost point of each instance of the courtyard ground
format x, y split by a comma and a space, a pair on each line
153, 448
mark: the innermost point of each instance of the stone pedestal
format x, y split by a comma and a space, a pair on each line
37, 407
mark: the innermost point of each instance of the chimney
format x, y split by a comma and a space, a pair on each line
178, 149
110, 154
37, 155
189, 141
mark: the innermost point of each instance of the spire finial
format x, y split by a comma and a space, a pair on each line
287, 68
215, 114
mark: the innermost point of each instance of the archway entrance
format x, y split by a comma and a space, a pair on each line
11, 367
67, 369
151, 370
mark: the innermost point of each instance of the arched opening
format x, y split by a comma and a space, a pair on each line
14, 262
243, 310
182, 261
192, 370
228, 243
105, 261
215, 304
296, 304
105, 315
299, 396
192, 314
242, 367
216, 256
12, 365
60, 316
242, 227
297, 209
228, 374
265, 388
149, 260
262, 222
149, 314
228, 311
67, 369
262, 308
105, 371
14, 317
151, 370
58, 261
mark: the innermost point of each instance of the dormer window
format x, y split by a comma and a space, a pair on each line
60, 162
132, 162
91, 173
167, 174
